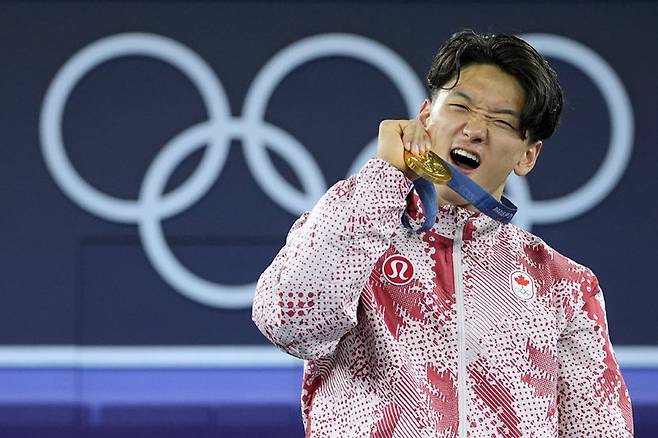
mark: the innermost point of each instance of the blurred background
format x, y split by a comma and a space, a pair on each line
155, 154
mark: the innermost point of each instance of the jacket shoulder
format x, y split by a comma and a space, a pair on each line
540, 256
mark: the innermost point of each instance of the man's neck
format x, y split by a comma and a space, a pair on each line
453, 198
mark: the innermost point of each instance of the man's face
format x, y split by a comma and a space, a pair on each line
475, 125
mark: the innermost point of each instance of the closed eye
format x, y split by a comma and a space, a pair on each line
459, 107
504, 124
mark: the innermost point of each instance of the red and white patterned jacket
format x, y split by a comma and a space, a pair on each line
473, 329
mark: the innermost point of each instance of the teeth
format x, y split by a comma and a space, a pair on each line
466, 154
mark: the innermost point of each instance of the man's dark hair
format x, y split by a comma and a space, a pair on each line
543, 103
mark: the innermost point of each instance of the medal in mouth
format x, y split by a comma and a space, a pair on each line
433, 170
463, 158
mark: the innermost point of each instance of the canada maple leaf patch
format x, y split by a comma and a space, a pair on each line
522, 285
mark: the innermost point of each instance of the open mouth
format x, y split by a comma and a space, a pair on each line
465, 159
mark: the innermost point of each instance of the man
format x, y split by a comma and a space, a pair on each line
470, 328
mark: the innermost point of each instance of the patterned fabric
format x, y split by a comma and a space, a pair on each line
471, 329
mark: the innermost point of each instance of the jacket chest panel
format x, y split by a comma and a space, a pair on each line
509, 323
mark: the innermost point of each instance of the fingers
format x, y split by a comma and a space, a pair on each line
396, 136
415, 138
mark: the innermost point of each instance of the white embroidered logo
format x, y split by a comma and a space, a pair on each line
522, 285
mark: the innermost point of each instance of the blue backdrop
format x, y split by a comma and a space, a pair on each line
155, 155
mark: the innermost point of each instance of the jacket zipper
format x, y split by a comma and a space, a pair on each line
461, 329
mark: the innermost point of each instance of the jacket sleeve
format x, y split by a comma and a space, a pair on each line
592, 397
307, 299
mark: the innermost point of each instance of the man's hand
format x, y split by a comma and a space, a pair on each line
396, 136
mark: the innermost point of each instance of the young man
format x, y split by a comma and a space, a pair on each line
470, 328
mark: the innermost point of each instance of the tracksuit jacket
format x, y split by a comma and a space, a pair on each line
470, 329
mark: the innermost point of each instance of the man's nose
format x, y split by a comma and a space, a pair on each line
475, 129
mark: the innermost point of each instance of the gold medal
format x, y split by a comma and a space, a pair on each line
429, 166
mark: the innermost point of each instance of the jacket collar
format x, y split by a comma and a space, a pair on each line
479, 231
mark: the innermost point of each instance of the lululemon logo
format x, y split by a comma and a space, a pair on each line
522, 285
398, 270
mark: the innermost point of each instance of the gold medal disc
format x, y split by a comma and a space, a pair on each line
429, 166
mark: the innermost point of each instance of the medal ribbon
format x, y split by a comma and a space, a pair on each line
503, 211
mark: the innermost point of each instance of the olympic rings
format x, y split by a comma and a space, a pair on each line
152, 205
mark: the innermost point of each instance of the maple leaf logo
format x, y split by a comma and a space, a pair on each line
521, 280
521, 284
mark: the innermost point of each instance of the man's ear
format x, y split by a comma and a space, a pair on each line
424, 113
528, 159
